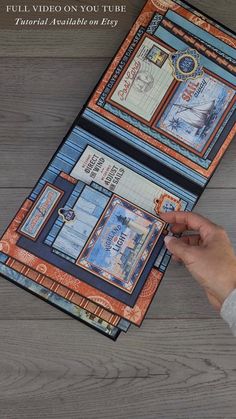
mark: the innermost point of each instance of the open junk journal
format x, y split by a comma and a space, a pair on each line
89, 239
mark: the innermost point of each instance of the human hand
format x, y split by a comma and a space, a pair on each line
206, 252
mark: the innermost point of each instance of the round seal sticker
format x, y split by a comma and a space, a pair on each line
186, 64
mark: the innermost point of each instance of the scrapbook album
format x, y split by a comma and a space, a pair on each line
89, 239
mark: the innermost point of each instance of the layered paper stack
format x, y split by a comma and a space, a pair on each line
89, 239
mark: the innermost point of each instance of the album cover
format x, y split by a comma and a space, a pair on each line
89, 238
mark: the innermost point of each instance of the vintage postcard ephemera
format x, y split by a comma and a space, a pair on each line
171, 86
190, 117
145, 82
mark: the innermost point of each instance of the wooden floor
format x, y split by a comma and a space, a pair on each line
182, 362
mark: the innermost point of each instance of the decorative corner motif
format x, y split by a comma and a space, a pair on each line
186, 64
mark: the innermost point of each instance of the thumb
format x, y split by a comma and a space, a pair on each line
179, 249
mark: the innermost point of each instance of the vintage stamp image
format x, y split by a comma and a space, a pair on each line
157, 56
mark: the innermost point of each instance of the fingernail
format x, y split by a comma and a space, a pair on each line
167, 239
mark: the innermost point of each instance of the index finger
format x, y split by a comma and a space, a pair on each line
191, 220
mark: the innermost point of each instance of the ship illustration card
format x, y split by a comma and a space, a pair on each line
193, 114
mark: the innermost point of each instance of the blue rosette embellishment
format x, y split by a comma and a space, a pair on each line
186, 64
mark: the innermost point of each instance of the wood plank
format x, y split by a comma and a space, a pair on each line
178, 296
167, 369
35, 101
79, 41
87, 42
25, 77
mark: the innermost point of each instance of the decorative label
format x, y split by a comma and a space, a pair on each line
41, 211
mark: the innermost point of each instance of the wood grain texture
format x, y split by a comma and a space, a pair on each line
181, 363
80, 42
167, 369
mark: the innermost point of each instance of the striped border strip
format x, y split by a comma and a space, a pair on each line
63, 291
